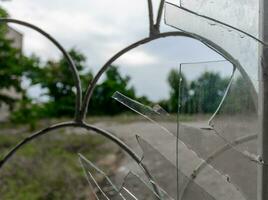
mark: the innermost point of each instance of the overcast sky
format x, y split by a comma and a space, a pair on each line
101, 28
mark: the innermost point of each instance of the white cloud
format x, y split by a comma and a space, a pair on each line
94, 27
100, 29
137, 58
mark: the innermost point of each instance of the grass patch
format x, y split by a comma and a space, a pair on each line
48, 168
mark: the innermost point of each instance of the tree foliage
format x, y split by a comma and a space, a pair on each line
178, 87
56, 79
202, 95
102, 102
240, 98
13, 66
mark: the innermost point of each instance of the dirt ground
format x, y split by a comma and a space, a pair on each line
231, 175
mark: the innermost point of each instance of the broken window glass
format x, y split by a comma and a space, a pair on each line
131, 187
238, 115
94, 176
218, 91
209, 101
235, 122
201, 143
240, 14
184, 153
224, 125
235, 46
163, 172
155, 114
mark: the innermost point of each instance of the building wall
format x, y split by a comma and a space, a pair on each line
16, 36
17, 43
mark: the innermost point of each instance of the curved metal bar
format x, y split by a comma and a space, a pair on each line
66, 55
69, 124
32, 137
113, 138
159, 15
205, 41
214, 155
151, 17
88, 127
126, 148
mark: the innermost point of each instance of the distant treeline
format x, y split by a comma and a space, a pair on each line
204, 94
201, 95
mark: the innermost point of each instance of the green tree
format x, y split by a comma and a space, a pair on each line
206, 93
202, 95
13, 66
3, 12
102, 102
57, 80
240, 98
178, 87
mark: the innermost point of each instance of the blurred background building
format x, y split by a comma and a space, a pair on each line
17, 43
16, 36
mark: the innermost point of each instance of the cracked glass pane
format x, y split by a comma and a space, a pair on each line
236, 46
126, 194
214, 92
204, 187
241, 14
152, 113
238, 115
224, 123
161, 129
156, 114
237, 121
134, 185
94, 176
155, 163
131, 187
187, 153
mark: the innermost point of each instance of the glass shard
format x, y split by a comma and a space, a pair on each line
152, 113
164, 172
163, 129
93, 173
241, 14
238, 116
238, 109
204, 90
207, 92
132, 186
235, 46
237, 120
135, 186
195, 145
224, 123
